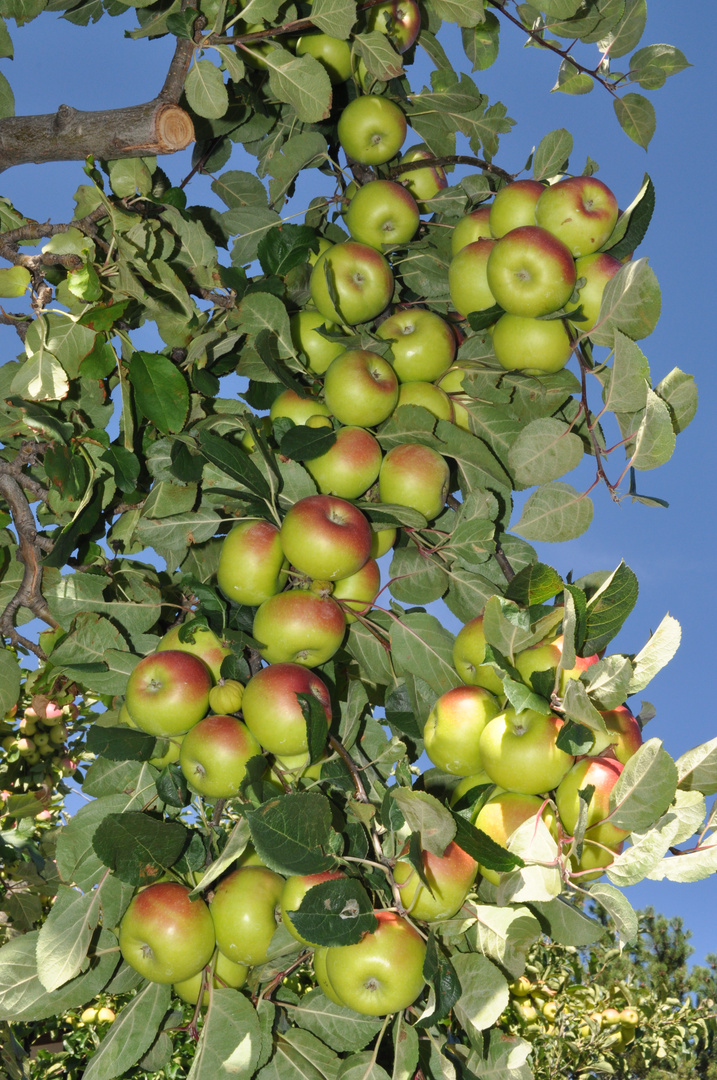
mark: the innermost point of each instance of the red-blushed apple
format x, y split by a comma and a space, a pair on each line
454, 726
416, 476
361, 388
468, 277
226, 696
423, 182
597, 269
322, 978
226, 973
596, 857
514, 205
531, 345
164, 935
350, 466
382, 213
214, 754
294, 891
470, 228
519, 751
429, 396
252, 565
358, 591
325, 537
422, 343
503, 814
530, 272
244, 910
334, 54
383, 973
382, 540
450, 877
168, 692
272, 711
602, 774
546, 656
205, 644
624, 734
296, 408
318, 350
400, 20
468, 657
371, 130
580, 210
299, 627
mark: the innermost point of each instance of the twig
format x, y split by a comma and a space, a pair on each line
451, 159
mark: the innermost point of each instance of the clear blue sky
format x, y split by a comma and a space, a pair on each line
671, 551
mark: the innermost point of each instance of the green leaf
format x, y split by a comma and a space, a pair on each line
628, 380
636, 116
132, 1033
618, 908
234, 461
7, 108
623, 37
655, 439
463, 12
337, 1026
608, 608
566, 924
651, 66
631, 226
421, 646
378, 54
534, 585
6, 48
129, 176
120, 743
630, 303
240, 189
361, 1067
555, 512
206, 91
336, 912
65, 936
138, 848
426, 816
483, 848
688, 866
302, 443
416, 579
301, 82
484, 992
293, 834
679, 393
9, 681
572, 81
552, 154
645, 789
658, 652
481, 44
560, 9
160, 390
15, 280
230, 1042
505, 935
544, 450
334, 17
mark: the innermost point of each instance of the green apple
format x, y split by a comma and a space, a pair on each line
422, 343
453, 728
382, 214
164, 935
400, 20
226, 973
371, 129
214, 754
203, 643
358, 591
519, 751
468, 277
468, 656
601, 774
423, 182
597, 269
470, 228
294, 891
452, 383
595, 858
325, 537
168, 692
171, 752
530, 272
296, 408
505, 812
514, 205
361, 388
318, 350
300, 627
272, 710
383, 973
361, 282
252, 565
382, 540
334, 54
322, 978
244, 910
429, 396
416, 476
226, 696
580, 210
468, 783
531, 345
350, 466
450, 877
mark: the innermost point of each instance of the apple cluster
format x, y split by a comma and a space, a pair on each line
536, 1007
35, 755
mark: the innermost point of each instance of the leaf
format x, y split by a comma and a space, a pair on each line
336, 912
361, 1067
688, 866
636, 116
630, 303
652, 65
230, 1042
572, 81
205, 89
655, 438
534, 585
41, 378
481, 43
7, 105
137, 847
645, 789
623, 37
619, 909
15, 279
234, 461
334, 17
420, 645
9, 681
483, 848
679, 393
77, 862
544, 450
132, 1033
235, 846
378, 54
566, 924
484, 991
697, 768
414, 578
608, 608
160, 390
337, 1026
555, 512
628, 380
505, 935
552, 154
65, 936
292, 834
301, 82
631, 226
426, 816
658, 652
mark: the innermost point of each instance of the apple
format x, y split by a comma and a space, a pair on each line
423, 183
602, 774
450, 877
502, 814
317, 349
468, 656
400, 20
452, 383
170, 754
371, 130
361, 280
629, 1017
252, 565
164, 935
454, 726
382, 214
350, 466
531, 345
358, 591
361, 388
58, 733
519, 751
429, 396
468, 783
416, 476
272, 711
168, 692
300, 627
334, 54
597, 269
244, 911
325, 537
580, 210
226, 696
205, 644
472, 227
624, 734
422, 343
381, 974
382, 540
26, 746
530, 272
546, 656
294, 891
514, 205
226, 973
468, 277
321, 976
596, 857
296, 408
214, 754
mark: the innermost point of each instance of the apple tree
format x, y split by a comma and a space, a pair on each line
259, 466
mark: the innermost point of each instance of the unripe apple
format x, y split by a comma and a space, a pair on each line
226, 696
450, 877
350, 466
296, 408
226, 973
422, 343
519, 751
214, 754
362, 282
299, 627
530, 272
382, 540
503, 814
602, 774
514, 205
325, 537
468, 656
452, 383
322, 978
334, 54
58, 733
272, 711
416, 476
317, 349
428, 396
382, 214
580, 210
400, 20
629, 1017
468, 783
252, 565
371, 129
468, 277
596, 856
205, 644
358, 591
168, 692
381, 974
361, 388
170, 754
521, 987
470, 228
164, 935
294, 891
28, 725
244, 911
106, 1016
423, 183
532, 345
597, 269
453, 728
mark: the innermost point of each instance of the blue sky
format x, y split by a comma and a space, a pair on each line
671, 551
